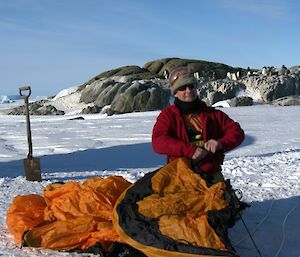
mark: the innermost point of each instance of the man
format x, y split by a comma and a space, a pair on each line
189, 128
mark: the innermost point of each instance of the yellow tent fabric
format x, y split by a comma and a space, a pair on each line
179, 202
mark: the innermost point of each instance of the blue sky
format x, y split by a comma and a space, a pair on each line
55, 44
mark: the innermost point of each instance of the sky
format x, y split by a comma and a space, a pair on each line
266, 167
51, 45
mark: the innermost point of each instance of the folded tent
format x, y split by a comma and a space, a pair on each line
172, 212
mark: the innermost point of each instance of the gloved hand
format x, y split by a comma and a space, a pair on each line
213, 145
199, 154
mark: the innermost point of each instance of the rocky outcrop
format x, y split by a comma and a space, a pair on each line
126, 89
141, 97
265, 86
124, 95
211, 70
271, 87
133, 89
218, 90
37, 108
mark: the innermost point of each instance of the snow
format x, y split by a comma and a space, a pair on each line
265, 167
223, 104
65, 92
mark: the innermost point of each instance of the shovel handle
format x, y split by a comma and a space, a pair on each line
26, 96
23, 89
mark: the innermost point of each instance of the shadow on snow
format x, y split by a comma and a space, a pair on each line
274, 226
111, 158
249, 140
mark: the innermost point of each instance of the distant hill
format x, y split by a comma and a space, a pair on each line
157, 69
137, 89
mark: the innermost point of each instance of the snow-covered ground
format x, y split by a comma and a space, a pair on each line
266, 167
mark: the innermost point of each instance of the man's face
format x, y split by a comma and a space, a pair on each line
187, 93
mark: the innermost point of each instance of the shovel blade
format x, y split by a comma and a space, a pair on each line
32, 169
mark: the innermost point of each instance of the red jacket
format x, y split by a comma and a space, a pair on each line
170, 137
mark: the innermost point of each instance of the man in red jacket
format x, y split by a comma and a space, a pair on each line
189, 128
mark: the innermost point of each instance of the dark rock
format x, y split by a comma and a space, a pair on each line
77, 118
155, 67
287, 101
48, 110
107, 96
141, 97
91, 92
297, 85
91, 110
110, 112
37, 108
240, 101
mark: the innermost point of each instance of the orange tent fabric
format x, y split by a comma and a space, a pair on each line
69, 216
25, 213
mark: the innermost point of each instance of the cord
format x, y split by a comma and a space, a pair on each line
283, 230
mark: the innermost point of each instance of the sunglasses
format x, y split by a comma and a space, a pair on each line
183, 88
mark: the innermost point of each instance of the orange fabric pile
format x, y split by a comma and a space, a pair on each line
69, 216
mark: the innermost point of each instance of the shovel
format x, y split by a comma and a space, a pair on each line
31, 164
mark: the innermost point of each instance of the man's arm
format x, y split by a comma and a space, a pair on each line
165, 139
233, 133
